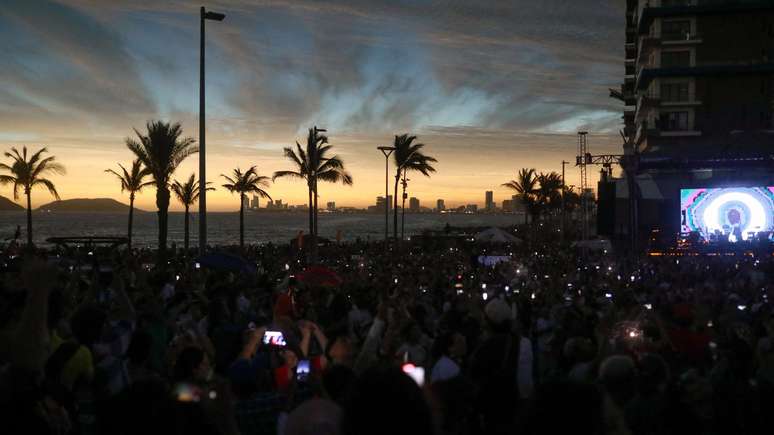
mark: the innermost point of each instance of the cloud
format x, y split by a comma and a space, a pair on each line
502, 76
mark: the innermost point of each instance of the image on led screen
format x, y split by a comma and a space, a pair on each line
731, 213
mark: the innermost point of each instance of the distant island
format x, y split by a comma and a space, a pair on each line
86, 205
8, 205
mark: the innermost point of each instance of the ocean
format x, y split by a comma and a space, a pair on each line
223, 228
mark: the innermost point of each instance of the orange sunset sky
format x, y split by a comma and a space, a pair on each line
489, 87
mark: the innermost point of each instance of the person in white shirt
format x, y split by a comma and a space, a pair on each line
448, 349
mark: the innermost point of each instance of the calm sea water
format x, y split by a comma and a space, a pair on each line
224, 227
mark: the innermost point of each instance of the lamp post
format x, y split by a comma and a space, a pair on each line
215, 16
564, 190
386, 151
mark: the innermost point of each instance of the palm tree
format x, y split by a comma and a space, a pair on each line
525, 186
187, 193
132, 181
301, 162
408, 157
549, 193
313, 165
244, 183
162, 150
27, 173
328, 169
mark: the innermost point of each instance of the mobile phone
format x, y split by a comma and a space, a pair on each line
274, 338
302, 370
415, 373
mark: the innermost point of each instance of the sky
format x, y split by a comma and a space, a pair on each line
488, 86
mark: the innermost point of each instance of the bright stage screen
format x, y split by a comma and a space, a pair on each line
729, 213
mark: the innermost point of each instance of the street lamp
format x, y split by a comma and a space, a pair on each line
214, 16
386, 151
564, 191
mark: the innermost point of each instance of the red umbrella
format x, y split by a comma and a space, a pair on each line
319, 276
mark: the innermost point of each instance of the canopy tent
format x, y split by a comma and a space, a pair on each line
496, 235
594, 245
319, 276
229, 262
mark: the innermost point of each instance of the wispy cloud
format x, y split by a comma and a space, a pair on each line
81, 73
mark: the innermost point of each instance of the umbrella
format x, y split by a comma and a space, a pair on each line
496, 235
229, 262
319, 276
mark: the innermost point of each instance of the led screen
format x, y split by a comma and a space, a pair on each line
729, 213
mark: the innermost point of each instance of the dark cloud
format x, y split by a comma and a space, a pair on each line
61, 60
375, 65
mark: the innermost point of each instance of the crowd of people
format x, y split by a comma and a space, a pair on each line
433, 336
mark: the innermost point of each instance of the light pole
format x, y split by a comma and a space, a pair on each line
215, 16
386, 151
564, 191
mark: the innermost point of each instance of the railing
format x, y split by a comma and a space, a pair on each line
680, 37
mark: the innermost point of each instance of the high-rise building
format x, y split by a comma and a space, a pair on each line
698, 73
440, 205
380, 202
414, 204
508, 205
246, 202
698, 92
255, 204
472, 208
331, 206
489, 203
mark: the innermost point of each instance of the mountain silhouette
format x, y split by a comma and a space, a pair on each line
87, 205
8, 205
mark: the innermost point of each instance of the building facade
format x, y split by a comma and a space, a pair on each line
698, 93
440, 205
414, 204
489, 203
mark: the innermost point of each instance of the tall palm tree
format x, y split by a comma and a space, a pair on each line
549, 192
244, 183
27, 173
330, 170
187, 193
161, 150
132, 181
408, 157
301, 162
525, 185
312, 164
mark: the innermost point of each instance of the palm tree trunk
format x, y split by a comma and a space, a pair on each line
29, 218
395, 206
242, 221
131, 219
185, 231
316, 214
311, 210
403, 210
162, 203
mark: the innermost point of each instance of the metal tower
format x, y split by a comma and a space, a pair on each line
581, 162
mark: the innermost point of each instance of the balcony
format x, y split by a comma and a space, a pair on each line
651, 9
656, 99
647, 72
680, 38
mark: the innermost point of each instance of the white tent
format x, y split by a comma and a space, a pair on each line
594, 244
496, 235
